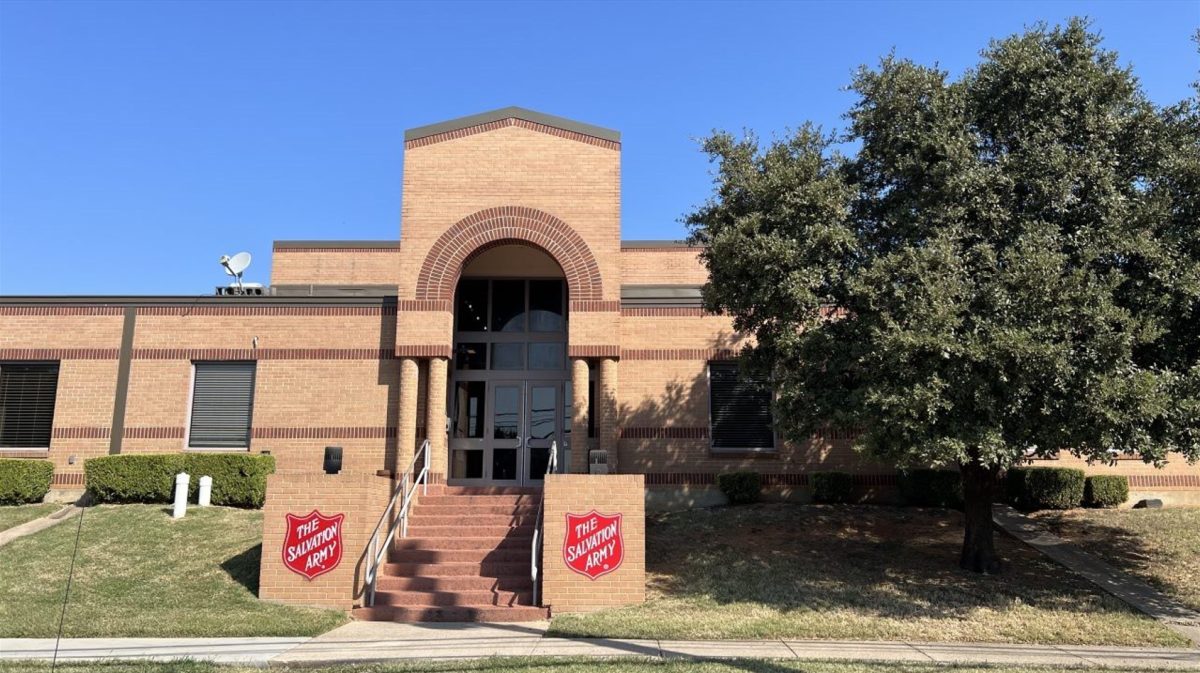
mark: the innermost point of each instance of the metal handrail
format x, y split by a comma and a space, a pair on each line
535, 557
403, 492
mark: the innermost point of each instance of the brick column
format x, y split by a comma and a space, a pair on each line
579, 415
435, 418
606, 410
406, 433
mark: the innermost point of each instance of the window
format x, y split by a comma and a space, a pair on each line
222, 402
739, 410
27, 393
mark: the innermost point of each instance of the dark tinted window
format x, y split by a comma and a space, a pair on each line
739, 409
508, 305
546, 306
471, 305
27, 394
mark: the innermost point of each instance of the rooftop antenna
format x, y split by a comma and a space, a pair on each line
235, 266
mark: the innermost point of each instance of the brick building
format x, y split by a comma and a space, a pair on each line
509, 315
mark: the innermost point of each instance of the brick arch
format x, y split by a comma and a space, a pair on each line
493, 227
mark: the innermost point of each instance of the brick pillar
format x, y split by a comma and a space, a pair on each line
406, 433
606, 410
579, 416
435, 418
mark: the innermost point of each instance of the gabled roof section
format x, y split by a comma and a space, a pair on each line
512, 116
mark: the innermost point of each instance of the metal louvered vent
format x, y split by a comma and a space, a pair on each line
27, 393
740, 410
222, 405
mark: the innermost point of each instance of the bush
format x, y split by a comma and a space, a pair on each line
239, 479
23, 481
740, 487
932, 488
1031, 488
832, 487
1105, 490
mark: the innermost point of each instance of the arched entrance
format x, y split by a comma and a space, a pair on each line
510, 381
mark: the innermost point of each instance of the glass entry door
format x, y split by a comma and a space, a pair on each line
502, 431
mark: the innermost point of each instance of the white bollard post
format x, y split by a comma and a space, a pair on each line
205, 491
181, 489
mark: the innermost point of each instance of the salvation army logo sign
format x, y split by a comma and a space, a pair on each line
313, 543
593, 545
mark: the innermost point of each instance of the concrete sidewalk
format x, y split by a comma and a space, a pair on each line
362, 642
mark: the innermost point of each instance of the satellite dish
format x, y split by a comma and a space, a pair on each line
235, 266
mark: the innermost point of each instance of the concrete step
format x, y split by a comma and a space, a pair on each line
450, 569
431, 613
453, 598
423, 518
433, 556
491, 490
490, 543
521, 583
473, 500
423, 509
418, 528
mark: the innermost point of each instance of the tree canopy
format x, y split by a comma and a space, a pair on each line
1005, 266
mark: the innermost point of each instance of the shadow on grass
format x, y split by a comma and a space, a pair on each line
244, 568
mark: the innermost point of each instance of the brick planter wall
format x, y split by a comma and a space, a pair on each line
564, 590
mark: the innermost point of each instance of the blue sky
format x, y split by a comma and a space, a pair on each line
140, 141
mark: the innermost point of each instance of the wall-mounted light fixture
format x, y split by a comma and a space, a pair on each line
333, 459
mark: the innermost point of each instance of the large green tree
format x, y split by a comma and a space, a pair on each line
1006, 265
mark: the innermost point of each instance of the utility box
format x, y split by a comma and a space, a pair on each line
598, 461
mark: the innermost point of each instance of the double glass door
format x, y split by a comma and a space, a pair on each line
502, 430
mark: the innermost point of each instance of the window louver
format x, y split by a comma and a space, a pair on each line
740, 410
27, 394
222, 404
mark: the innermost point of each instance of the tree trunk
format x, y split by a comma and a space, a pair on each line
979, 486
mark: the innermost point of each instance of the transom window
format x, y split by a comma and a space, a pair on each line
27, 395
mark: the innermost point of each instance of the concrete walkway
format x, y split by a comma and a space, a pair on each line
361, 642
31, 527
1133, 591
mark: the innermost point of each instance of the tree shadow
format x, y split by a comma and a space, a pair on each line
244, 568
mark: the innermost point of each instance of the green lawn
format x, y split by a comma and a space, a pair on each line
15, 515
855, 573
1161, 546
572, 665
141, 573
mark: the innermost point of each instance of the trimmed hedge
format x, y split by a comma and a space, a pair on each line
932, 488
832, 487
1032, 488
23, 481
1105, 490
741, 488
239, 479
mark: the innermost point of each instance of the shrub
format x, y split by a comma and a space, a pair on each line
740, 487
832, 487
23, 481
1105, 490
239, 479
133, 478
1032, 488
932, 488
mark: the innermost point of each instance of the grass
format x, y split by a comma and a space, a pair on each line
141, 573
560, 665
15, 515
1162, 546
855, 573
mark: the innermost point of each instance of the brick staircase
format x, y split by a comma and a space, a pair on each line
466, 559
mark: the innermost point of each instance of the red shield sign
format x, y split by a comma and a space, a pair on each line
313, 543
593, 545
